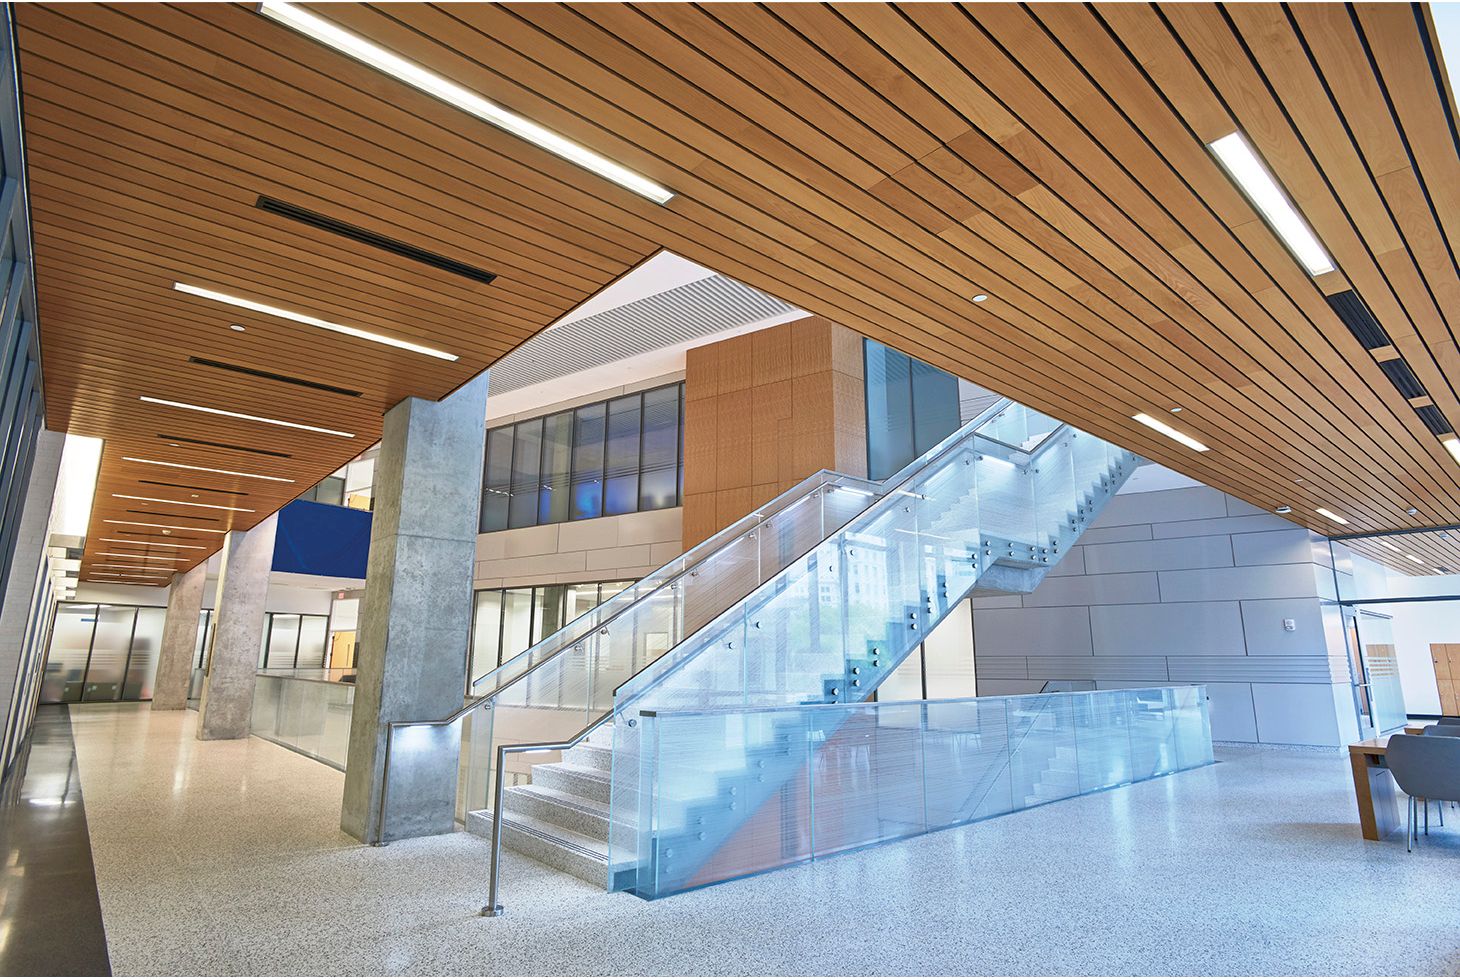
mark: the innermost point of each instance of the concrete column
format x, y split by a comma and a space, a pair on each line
238, 632
20, 589
416, 615
179, 639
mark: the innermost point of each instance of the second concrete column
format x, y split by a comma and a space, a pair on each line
238, 633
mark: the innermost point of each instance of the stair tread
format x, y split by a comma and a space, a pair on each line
588, 772
588, 846
594, 807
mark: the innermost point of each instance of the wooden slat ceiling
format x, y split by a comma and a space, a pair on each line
878, 165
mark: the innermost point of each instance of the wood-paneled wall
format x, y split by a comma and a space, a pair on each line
765, 410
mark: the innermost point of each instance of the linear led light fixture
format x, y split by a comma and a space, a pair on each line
118, 554
1325, 512
250, 418
154, 544
181, 503
1390, 545
207, 469
1452, 444
390, 63
139, 568
1246, 168
170, 527
1169, 432
313, 321
1417, 561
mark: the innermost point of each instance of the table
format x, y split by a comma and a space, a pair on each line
1374, 788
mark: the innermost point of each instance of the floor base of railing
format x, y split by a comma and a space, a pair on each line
491, 911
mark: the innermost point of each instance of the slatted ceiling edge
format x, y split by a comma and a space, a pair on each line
1408, 72
1107, 67
820, 276
193, 269
498, 253
1439, 277
1184, 107
1343, 238
1281, 319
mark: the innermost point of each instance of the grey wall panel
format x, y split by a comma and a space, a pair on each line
1294, 670
1061, 631
1124, 532
1071, 563
1186, 503
1248, 582
1241, 508
1287, 547
1300, 714
1262, 622
1091, 590
1222, 525
1173, 629
1214, 551
1234, 719
997, 601
998, 688
1002, 668
1099, 668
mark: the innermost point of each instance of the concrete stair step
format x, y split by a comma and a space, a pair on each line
590, 756
557, 847
580, 781
574, 813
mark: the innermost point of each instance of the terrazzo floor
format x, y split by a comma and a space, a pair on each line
226, 858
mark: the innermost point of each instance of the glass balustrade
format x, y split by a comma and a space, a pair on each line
727, 792
975, 512
305, 710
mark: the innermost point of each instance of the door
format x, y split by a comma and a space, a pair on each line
1357, 676
1373, 636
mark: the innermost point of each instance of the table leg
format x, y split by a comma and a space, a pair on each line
1377, 801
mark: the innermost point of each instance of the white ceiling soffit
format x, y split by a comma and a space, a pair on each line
706, 306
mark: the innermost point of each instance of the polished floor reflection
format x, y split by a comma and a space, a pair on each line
50, 915
226, 857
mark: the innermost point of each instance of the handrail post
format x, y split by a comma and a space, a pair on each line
493, 909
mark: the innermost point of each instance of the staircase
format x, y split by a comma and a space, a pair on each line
816, 598
561, 817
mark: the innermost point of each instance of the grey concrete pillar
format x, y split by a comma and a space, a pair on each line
20, 588
416, 615
238, 632
179, 639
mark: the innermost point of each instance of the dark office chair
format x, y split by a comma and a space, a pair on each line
1425, 769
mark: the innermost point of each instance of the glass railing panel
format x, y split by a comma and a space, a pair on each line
310, 716
1005, 497
1018, 426
730, 792
868, 779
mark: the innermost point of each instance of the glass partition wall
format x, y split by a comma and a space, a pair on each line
102, 652
1398, 599
507, 621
